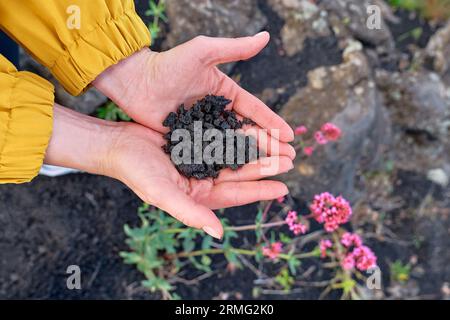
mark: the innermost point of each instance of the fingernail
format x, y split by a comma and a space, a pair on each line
291, 166
260, 33
213, 233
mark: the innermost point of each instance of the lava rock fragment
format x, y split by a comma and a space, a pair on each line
210, 112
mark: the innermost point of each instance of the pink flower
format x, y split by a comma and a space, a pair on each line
298, 228
331, 131
330, 210
280, 199
273, 250
291, 217
364, 258
308, 151
294, 226
324, 244
300, 130
349, 262
361, 257
320, 138
351, 239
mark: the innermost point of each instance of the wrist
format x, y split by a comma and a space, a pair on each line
124, 80
82, 142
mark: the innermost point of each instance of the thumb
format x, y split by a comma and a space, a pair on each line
224, 50
186, 210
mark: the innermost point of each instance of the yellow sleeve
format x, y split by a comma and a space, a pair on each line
26, 105
75, 39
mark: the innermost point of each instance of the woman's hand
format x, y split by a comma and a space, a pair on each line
132, 153
148, 85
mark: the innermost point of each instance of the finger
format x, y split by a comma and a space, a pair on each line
255, 170
247, 105
268, 145
230, 194
223, 50
185, 209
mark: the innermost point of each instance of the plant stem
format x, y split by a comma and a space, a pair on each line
305, 255
237, 229
254, 226
239, 251
215, 251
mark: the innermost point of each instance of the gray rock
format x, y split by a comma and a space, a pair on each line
346, 96
437, 51
417, 100
86, 103
438, 176
419, 107
303, 19
218, 18
352, 16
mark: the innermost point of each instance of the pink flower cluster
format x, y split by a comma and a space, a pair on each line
361, 257
320, 138
324, 244
351, 239
331, 132
295, 226
300, 130
273, 250
330, 210
328, 132
308, 151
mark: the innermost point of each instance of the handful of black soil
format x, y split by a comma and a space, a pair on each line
210, 112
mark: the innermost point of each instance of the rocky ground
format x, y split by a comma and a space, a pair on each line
388, 89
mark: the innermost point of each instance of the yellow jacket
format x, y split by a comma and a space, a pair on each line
109, 30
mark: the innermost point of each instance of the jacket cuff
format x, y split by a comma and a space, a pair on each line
26, 109
90, 54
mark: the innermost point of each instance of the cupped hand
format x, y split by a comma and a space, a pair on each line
148, 85
139, 162
132, 153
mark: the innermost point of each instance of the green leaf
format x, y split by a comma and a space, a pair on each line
207, 242
416, 33
285, 238
206, 260
131, 257
127, 230
163, 17
232, 258
188, 244
143, 208
198, 265
110, 111
293, 264
259, 256
157, 284
175, 296
348, 285
317, 252
285, 279
258, 222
